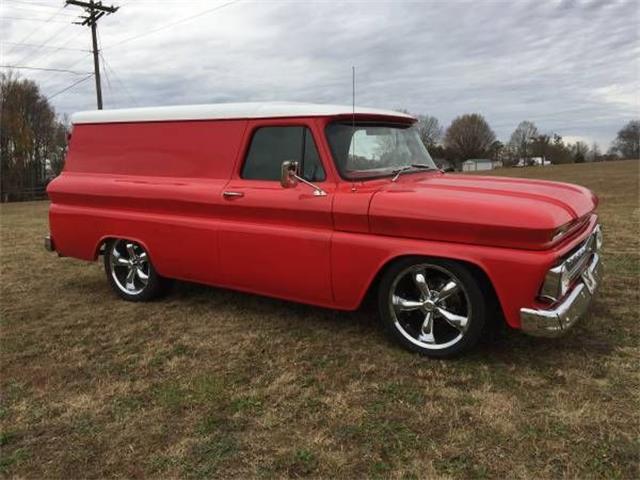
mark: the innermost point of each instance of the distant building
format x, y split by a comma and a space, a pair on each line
480, 164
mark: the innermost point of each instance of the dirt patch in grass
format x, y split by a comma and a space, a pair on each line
212, 383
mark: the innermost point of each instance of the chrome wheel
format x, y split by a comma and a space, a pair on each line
430, 306
130, 268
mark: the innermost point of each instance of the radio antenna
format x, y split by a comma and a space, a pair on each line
353, 90
353, 112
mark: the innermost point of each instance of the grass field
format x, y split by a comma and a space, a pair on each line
213, 383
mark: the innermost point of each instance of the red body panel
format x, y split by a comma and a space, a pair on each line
501, 212
162, 184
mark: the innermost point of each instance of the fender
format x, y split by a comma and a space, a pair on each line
515, 274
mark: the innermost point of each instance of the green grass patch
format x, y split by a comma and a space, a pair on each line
207, 456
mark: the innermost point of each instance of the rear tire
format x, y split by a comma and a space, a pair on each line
130, 271
434, 307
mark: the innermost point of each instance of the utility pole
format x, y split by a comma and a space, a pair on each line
94, 12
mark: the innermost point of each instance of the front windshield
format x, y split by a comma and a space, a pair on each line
368, 150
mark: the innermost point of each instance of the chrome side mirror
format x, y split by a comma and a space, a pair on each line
289, 174
290, 177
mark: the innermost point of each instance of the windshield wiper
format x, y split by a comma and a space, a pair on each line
406, 168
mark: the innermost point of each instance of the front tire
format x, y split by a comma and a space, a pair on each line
130, 271
432, 306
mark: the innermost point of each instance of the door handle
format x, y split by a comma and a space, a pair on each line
229, 194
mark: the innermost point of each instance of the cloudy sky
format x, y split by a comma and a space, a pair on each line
572, 67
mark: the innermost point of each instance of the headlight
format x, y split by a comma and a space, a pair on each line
556, 283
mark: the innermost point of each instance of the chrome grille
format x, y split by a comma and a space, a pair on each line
577, 261
559, 279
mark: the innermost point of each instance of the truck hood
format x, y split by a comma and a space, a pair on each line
492, 211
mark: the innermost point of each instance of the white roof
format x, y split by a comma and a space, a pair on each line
225, 111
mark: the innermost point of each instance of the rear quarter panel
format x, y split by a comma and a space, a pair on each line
159, 183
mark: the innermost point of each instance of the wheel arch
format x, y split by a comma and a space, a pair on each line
478, 272
102, 242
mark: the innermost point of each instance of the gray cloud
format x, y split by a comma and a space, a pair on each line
570, 66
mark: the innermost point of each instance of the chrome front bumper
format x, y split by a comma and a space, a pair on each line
555, 322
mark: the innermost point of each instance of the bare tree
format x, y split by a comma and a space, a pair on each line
469, 136
428, 126
429, 130
594, 154
31, 138
627, 142
522, 138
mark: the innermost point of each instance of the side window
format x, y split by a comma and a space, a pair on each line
270, 146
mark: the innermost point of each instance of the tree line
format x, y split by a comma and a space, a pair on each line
33, 139
470, 137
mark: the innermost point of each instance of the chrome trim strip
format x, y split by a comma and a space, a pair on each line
555, 322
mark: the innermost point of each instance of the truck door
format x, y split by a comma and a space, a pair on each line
275, 240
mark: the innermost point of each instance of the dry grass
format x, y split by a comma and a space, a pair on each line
212, 383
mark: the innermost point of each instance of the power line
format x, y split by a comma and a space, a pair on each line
56, 47
108, 67
69, 40
30, 3
68, 67
32, 20
106, 77
29, 57
117, 79
26, 67
37, 10
104, 68
71, 86
169, 25
73, 64
95, 11
30, 34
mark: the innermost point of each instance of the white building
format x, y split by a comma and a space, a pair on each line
480, 164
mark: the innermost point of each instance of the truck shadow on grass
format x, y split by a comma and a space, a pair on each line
504, 345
